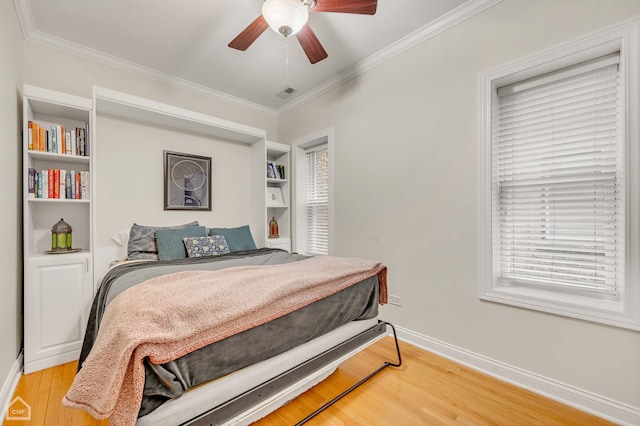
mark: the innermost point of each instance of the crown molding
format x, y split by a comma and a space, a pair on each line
25, 17
433, 28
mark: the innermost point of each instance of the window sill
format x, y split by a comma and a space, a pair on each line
610, 312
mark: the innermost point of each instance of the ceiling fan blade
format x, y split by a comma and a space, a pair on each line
249, 34
311, 45
362, 7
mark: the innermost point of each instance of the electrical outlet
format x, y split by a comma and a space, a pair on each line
395, 300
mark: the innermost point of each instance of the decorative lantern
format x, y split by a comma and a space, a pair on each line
61, 236
273, 228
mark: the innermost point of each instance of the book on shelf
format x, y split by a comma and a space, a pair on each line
38, 181
58, 139
31, 183
275, 171
58, 184
50, 179
271, 173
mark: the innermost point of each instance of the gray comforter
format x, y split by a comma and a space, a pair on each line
170, 380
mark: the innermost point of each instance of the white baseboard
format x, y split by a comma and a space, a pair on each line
9, 385
589, 402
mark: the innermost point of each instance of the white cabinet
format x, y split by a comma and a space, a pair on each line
278, 156
57, 293
281, 243
57, 287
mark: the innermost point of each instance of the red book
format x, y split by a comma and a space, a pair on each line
56, 183
50, 179
77, 183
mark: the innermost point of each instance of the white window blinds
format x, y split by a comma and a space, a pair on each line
318, 200
558, 181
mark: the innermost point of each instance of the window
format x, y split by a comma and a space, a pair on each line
556, 187
317, 203
313, 190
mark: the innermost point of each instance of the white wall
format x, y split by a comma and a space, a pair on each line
10, 212
406, 167
129, 169
57, 70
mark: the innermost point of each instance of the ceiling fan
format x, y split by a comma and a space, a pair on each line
289, 17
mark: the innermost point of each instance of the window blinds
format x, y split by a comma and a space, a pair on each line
318, 201
558, 180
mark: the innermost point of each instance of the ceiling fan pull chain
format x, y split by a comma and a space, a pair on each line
286, 60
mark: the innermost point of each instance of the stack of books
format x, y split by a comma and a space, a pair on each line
60, 184
59, 140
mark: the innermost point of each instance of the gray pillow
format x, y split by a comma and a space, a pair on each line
170, 244
142, 241
237, 238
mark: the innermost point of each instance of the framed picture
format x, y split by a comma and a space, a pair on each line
274, 197
187, 181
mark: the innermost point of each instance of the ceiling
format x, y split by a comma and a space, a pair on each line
188, 39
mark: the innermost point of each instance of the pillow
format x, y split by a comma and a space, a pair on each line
206, 246
142, 242
170, 244
237, 238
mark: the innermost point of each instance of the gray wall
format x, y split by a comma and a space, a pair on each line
10, 211
406, 167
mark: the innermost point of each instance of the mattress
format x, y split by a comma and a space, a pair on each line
225, 389
166, 382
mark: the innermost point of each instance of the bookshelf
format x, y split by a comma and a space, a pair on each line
278, 159
57, 287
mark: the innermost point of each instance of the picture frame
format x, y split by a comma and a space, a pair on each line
187, 181
274, 197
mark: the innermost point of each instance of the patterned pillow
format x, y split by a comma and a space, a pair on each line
206, 246
142, 240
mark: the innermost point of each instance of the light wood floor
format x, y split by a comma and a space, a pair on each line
426, 390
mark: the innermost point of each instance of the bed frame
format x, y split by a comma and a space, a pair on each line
268, 396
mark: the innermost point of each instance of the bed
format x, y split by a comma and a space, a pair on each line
227, 377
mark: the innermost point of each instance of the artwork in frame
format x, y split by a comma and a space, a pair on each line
187, 181
274, 197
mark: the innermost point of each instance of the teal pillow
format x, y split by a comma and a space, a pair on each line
170, 244
238, 239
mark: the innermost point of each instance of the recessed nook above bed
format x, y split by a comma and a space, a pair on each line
130, 131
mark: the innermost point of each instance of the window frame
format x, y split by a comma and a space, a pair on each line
301, 146
624, 312
324, 147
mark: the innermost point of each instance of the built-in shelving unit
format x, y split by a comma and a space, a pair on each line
57, 287
278, 155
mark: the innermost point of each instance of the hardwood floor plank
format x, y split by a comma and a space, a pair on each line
27, 389
426, 390
39, 410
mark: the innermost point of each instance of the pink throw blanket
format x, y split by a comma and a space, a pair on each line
169, 316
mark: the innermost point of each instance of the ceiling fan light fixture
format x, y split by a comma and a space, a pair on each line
286, 17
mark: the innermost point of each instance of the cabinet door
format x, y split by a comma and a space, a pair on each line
280, 243
57, 297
